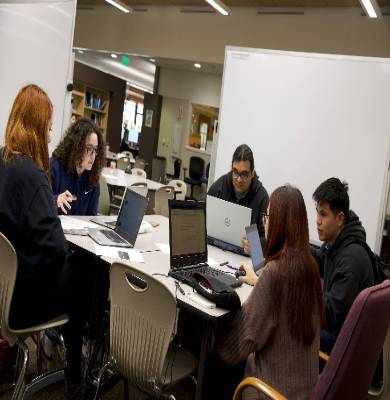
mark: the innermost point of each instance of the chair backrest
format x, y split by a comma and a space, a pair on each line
163, 194
140, 187
383, 392
128, 154
176, 168
139, 163
8, 268
122, 163
207, 170
179, 185
196, 167
138, 172
142, 320
104, 198
352, 363
159, 166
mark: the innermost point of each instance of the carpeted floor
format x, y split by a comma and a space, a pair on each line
183, 391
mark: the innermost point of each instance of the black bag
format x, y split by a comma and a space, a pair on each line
216, 291
381, 272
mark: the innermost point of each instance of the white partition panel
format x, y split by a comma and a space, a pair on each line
36, 45
309, 117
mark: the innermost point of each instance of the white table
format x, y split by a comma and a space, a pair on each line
118, 177
158, 262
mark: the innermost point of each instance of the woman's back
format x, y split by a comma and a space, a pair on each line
275, 356
29, 220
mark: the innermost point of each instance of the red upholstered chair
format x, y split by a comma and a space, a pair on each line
352, 363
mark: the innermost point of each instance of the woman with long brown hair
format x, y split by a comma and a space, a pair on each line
278, 328
75, 169
46, 285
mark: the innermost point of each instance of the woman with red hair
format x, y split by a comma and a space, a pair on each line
277, 330
45, 284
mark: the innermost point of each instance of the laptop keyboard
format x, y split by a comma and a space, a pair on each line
112, 236
205, 269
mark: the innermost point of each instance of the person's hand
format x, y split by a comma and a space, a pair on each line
63, 201
245, 245
250, 278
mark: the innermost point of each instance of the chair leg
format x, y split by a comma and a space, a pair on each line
125, 388
18, 392
98, 380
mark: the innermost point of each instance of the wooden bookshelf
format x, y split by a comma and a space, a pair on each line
91, 102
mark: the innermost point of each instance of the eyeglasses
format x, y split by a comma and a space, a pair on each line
90, 150
242, 175
264, 217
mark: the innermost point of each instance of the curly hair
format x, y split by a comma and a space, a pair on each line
72, 147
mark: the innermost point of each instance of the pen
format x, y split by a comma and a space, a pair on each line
180, 288
232, 267
224, 263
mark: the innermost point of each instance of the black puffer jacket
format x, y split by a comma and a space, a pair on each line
256, 198
346, 269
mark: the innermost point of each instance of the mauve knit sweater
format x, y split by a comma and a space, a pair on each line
272, 353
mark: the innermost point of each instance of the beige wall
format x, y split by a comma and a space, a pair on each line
165, 32
184, 88
198, 87
171, 121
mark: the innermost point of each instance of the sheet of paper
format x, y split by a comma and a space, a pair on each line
119, 253
74, 223
163, 247
211, 261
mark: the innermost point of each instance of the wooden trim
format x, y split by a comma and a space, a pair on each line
259, 385
324, 356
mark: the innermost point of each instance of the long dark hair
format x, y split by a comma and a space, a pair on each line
72, 147
244, 153
295, 272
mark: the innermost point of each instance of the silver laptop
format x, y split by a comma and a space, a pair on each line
226, 221
127, 225
110, 221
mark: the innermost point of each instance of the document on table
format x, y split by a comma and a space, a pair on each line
74, 223
119, 253
75, 226
165, 249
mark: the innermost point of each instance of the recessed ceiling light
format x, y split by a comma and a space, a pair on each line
80, 51
113, 55
219, 6
118, 4
371, 7
152, 60
197, 65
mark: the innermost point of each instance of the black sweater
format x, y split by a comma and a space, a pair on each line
29, 220
256, 198
346, 269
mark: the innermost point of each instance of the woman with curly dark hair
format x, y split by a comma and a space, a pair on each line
75, 169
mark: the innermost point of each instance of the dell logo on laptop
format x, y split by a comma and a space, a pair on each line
227, 221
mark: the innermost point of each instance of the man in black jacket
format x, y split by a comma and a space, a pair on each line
242, 186
345, 264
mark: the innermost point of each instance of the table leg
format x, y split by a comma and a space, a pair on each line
202, 358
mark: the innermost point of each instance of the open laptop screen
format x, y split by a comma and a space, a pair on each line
187, 228
130, 215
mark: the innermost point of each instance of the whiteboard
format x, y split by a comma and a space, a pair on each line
308, 117
36, 47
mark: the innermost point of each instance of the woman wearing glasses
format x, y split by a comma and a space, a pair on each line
277, 330
75, 169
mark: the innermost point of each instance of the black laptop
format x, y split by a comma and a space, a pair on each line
188, 243
127, 224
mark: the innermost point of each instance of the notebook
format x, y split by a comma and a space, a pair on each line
127, 224
188, 244
226, 224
